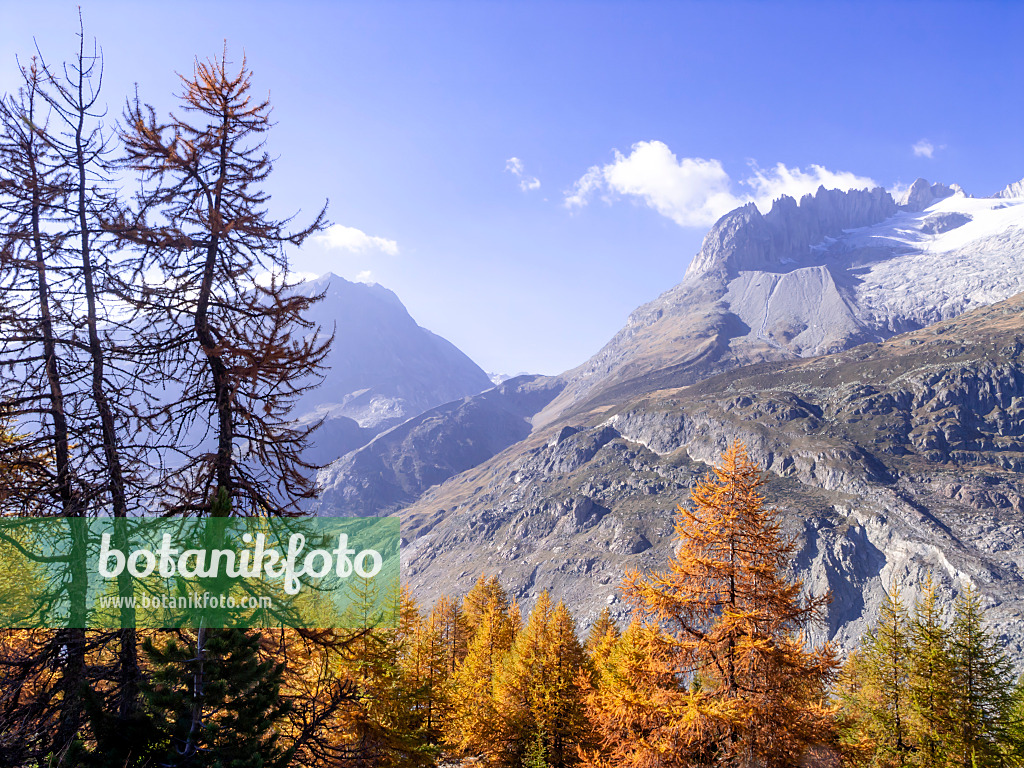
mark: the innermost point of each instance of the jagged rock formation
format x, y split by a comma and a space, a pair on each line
892, 454
889, 460
744, 240
922, 194
1014, 190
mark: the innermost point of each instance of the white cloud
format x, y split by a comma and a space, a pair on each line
695, 192
526, 183
780, 180
366, 276
924, 148
691, 191
585, 186
898, 191
342, 238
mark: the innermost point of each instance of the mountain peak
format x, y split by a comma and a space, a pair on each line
1016, 189
922, 194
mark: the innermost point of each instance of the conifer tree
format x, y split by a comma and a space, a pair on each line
519, 684
626, 706
929, 679
237, 691
602, 627
724, 669
877, 693
1015, 731
981, 703
472, 722
449, 617
428, 649
236, 351
561, 715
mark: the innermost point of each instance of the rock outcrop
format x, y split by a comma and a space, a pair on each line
836, 270
1014, 190
921, 195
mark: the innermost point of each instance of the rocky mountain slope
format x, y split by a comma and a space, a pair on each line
383, 368
888, 461
864, 348
393, 469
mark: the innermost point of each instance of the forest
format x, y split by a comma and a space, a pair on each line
151, 348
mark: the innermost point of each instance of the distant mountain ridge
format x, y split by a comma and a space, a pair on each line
889, 462
383, 368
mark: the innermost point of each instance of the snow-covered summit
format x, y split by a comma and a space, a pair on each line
1016, 189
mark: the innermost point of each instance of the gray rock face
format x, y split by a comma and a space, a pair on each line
837, 270
383, 368
888, 462
892, 455
922, 194
944, 222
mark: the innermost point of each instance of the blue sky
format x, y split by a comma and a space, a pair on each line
523, 175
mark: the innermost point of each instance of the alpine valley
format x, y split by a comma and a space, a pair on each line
868, 350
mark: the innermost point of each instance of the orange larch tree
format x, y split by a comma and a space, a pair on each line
718, 668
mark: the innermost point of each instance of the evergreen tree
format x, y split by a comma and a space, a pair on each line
387, 725
1015, 731
929, 680
982, 701
221, 676
877, 693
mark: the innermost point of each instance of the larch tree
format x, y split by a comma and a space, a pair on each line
471, 722
430, 654
519, 683
56, 362
238, 349
725, 672
450, 619
561, 716
603, 627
